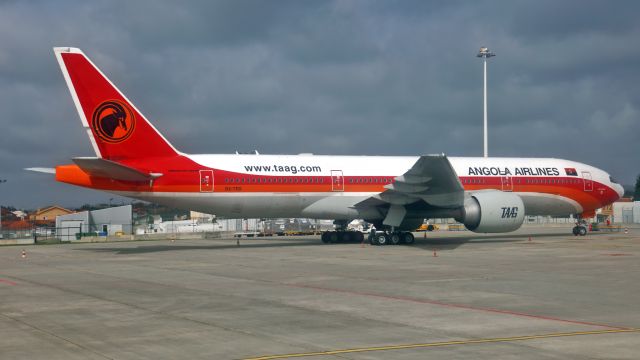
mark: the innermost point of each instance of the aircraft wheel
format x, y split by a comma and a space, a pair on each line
333, 237
359, 237
372, 240
408, 238
347, 237
582, 230
575, 231
381, 239
325, 237
394, 239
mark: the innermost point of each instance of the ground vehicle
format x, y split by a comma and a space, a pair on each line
428, 227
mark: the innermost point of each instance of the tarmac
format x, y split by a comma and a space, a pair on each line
538, 293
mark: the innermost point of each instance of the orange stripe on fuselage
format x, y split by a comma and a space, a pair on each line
188, 181
600, 196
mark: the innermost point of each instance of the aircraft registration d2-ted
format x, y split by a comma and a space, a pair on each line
394, 193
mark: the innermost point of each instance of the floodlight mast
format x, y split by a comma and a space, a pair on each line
484, 53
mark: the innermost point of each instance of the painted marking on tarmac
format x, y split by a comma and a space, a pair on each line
459, 306
443, 343
9, 282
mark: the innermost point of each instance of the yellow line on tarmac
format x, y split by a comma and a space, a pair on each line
444, 343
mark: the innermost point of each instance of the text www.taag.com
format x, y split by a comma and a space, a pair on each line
292, 169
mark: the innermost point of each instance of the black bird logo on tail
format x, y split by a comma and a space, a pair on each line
113, 121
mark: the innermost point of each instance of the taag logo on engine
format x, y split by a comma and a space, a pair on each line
113, 121
509, 212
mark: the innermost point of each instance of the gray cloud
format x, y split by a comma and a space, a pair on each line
331, 77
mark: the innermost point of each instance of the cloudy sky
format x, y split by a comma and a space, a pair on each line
327, 77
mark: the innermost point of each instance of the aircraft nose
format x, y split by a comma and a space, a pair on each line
619, 189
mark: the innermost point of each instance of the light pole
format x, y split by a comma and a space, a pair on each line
484, 53
1, 235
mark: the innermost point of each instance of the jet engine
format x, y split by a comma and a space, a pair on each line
492, 211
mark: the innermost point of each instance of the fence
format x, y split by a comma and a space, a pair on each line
68, 232
18, 233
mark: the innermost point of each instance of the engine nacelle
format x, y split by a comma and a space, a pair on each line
493, 212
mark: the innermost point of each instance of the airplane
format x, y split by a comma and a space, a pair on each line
394, 193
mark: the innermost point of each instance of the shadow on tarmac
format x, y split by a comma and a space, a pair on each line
430, 243
178, 247
450, 243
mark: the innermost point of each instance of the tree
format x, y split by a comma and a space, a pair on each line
636, 193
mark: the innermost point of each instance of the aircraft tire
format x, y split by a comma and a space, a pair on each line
394, 239
408, 238
582, 230
381, 239
325, 237
575, 231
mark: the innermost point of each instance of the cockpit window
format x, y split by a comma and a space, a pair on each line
611, 179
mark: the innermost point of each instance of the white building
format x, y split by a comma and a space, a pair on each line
626, 212
104, 222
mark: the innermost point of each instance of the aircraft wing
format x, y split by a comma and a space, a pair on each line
109, 169
431, 179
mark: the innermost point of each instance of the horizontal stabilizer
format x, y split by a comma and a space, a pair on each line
109, 169
42, 170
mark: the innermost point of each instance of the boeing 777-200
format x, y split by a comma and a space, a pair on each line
394, 193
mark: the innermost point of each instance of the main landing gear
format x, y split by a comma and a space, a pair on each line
391, 238
342, 236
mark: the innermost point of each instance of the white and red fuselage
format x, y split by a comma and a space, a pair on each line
314, 186
241, 185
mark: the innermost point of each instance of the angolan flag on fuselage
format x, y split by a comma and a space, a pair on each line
571, 171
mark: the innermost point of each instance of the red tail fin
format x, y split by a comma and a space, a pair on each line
118, 131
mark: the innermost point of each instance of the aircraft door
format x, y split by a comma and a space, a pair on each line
206, 180
337, 180
507, 183
588, 183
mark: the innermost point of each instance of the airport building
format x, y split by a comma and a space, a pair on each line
626, 212
104, 222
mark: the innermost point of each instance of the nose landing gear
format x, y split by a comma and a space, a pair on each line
580, 228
